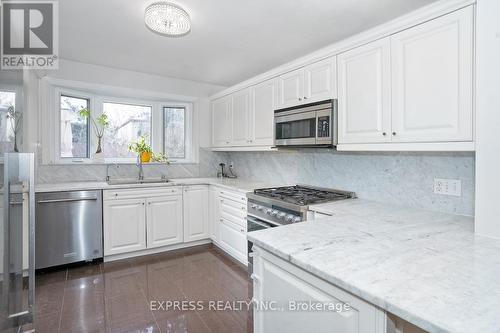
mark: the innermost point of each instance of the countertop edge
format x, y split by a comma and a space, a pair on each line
77, 186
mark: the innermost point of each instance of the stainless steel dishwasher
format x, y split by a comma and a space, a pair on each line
68, 227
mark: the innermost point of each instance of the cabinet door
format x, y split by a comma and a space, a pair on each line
241, 118
214, 213
164, 221
291, 89
320, 81
222, 127
285, 284
196, 213
233, 240
124, 226
432, 80
364, 100
262, 117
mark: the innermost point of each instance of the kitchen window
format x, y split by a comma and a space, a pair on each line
127, 123
71, 139
174, 132
74, 129
7, 99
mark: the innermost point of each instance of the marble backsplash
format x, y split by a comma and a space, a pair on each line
399, 178
97, 172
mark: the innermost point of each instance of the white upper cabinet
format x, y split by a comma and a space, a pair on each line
291, 89
262, 118
364, 100
241, 117
222, 127
320, 81
313, 83
196, 219
164, 221
432, 80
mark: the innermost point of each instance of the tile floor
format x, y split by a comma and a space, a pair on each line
116, 296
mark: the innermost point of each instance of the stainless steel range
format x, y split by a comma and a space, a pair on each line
277, 206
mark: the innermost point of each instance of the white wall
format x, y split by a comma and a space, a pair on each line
488, 119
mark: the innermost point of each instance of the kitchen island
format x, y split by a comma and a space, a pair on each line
427, 268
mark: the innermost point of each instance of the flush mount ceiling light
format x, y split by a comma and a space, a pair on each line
167, 19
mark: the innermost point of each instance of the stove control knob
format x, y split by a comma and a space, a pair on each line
296, 219
289, 218
281, 215
269, 211
274, 213
254, 206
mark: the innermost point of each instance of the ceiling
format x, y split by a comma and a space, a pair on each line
230, 41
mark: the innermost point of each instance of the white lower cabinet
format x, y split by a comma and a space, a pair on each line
233, 239
142, 219
284, 284
164, 221
196, 223
231, 225
124, 225
214, 213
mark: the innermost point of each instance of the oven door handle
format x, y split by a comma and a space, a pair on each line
261, 223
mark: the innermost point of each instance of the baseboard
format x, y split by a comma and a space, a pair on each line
155, 250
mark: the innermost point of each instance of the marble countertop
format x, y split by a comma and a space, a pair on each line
427, 268
240, 185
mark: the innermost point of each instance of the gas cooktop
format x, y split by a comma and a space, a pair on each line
303, 195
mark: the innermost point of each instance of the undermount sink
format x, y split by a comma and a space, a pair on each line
137, 181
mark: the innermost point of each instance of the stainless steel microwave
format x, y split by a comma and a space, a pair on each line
312, 125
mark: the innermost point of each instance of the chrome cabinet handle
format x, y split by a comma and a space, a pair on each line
255, 277
66, 200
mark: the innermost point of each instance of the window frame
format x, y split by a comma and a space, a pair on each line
89, 129
127, 101
188, 131
50, 123
18, 91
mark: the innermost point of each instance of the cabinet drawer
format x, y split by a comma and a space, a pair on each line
232, 207
141, 192
233, 239
235, 196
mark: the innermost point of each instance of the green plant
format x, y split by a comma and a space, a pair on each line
99, 124
140, 146
160, 158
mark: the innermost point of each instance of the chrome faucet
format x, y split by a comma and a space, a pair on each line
141, 169
107, 170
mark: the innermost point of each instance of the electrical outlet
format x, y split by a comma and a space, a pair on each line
448, 187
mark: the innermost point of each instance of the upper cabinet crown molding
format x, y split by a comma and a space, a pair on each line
416, 17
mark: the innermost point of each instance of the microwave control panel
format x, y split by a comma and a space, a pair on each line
324, 127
